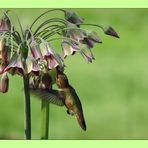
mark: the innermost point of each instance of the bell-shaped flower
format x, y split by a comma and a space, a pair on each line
91, 39
53, 59
35, 50
110, 31
76, 34
68, 48
4, 50
4, 83
3, 65
5, 24
15, 65
73, 17
86, 53
32, 66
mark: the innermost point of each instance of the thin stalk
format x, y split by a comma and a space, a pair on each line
20, 25
61, 38
46, 36
61, 29
44, 14
95, 25
59, 20
27, 108
46, 29
49, 31
45, 119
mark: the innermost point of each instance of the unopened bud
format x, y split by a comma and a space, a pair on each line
4, 83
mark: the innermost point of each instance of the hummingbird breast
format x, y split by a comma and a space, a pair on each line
69, 103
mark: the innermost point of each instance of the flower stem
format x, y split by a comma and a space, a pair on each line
45, 119
27, 108
44, 14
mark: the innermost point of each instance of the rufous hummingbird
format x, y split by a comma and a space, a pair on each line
65, 95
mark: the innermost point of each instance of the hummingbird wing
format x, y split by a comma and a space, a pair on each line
50, 95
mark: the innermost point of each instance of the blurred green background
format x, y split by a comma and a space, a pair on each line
113, 89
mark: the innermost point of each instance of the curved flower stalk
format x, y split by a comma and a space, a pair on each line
31, 55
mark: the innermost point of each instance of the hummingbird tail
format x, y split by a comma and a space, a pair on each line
81, 121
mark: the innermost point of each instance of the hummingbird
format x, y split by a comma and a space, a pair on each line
65, 95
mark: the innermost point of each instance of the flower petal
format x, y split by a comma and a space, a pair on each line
5, 24
87, 54
35, 50
32, 66
16, 65
94, 37
68, 48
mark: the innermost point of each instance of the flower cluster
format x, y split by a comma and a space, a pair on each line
31, 52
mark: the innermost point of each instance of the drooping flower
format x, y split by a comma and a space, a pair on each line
4, 50
3, 65
32, 66
53, 59
73, 18
91, 39
15, 65
5, 24
75, 34
4, 83
68, 48
86, 53
35, 50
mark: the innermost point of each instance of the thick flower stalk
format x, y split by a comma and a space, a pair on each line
30, 53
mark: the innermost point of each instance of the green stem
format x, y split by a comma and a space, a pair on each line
95, 25
27, 108
44, 14
45, 119
47, 29
59, 20
61, 29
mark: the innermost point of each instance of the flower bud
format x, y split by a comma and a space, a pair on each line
76, 34
91, 39
4, 83
73, 18
110, 31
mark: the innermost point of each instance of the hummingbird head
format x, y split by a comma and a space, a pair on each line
62, 81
